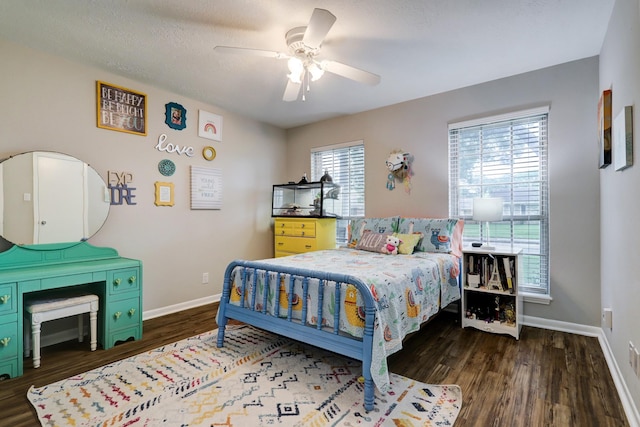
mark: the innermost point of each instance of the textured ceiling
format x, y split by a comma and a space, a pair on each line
418, 47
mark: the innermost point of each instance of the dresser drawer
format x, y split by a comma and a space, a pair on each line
295, 244
298, 228
8, 300
8, 340
123, 314
121, 281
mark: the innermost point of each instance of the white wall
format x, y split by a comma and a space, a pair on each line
619, 203
420, 127
49, 103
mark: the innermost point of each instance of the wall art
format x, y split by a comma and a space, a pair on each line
175, 116
120, 192
623, 139
169, 147
166, 167
209, 125
164, 194
121, 109
206, 188
209, 153
604, 128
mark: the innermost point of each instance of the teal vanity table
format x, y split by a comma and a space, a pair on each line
37, 263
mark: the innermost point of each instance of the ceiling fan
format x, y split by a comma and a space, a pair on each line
304, 46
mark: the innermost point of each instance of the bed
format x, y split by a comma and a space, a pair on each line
357, 301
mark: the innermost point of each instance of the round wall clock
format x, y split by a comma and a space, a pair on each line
166, 167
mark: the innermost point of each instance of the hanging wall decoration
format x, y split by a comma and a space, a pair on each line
164, 194
120, 191
206, 188
623, 139
121, 109
604, 128
399, 166
166, 167
168, 147
209, 153
175, 116
209, 125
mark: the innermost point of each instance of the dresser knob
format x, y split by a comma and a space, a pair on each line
5, 299
132, 279
117, 281
132, 312
5, 341
117, 314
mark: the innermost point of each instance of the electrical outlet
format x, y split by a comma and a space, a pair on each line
205, 278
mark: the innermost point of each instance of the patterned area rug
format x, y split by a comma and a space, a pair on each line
256, 379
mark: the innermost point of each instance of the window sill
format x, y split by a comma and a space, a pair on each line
536, 298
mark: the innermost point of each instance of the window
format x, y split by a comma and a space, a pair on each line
505, 156
345, 164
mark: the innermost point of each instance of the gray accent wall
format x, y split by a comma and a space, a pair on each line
421, 127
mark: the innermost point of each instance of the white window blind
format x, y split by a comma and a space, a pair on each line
345, 164
505, 156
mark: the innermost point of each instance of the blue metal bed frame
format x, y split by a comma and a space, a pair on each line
299, 329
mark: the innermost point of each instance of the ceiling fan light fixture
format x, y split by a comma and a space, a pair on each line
296, 68
315, 70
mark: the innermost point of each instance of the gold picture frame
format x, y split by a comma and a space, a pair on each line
121, 109
164, 193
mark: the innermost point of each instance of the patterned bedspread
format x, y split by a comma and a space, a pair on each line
408, 290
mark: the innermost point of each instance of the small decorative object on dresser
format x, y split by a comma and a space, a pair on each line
490, 298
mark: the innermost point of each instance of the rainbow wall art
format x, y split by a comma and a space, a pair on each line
209, 125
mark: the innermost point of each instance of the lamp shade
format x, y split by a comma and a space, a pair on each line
487, 209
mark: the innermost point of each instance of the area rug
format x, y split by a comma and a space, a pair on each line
256, 379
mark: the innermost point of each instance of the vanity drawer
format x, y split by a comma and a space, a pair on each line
295, 244
8, 340
121, 281
8, 298
123, 314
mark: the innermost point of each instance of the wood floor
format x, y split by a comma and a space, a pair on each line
545, 379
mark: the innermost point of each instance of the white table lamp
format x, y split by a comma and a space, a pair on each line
487, 209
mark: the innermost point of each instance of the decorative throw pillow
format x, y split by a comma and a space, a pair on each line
378, 225
442, 235
408, 242
372, 241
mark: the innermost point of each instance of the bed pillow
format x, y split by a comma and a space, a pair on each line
443, 235
372, 241
378, 225
408, 242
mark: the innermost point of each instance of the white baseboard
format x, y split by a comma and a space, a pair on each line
152, 314
630, 409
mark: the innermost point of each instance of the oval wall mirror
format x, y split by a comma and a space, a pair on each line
48, 197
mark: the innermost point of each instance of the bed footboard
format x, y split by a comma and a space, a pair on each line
255, 312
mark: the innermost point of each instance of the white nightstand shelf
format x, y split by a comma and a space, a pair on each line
490, 298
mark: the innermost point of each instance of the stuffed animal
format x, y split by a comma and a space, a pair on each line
391, 247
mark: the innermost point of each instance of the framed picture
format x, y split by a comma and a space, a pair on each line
121, 109
175, 116
623, 139
209, 125
206, 188
604, 128
164, 193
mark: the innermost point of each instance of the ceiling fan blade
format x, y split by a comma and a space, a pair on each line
292, 91
319, 25
352, 73
252, 52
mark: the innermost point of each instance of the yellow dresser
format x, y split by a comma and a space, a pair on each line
298, 235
